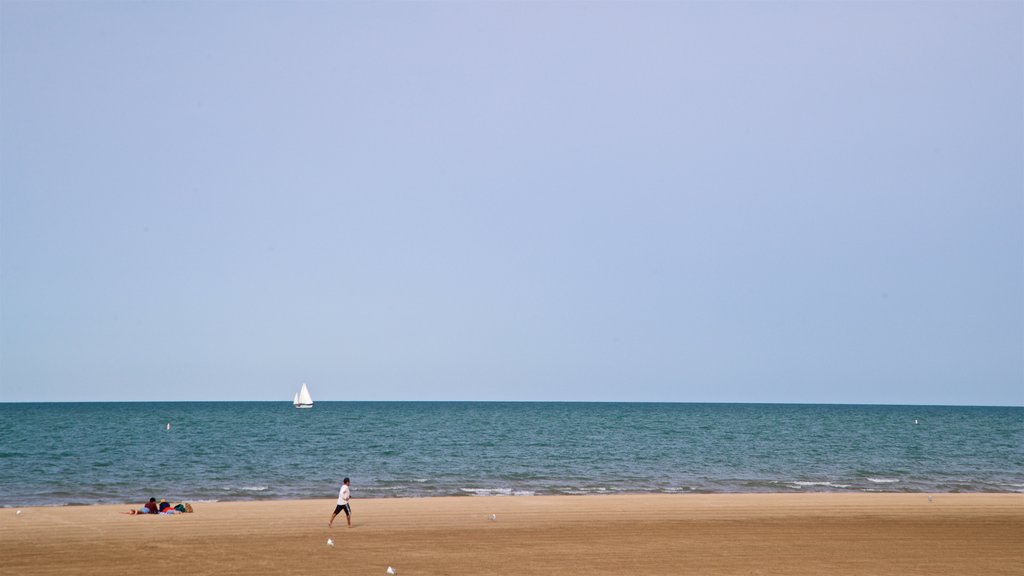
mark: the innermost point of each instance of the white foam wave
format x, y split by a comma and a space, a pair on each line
804, 484
247, 488
488, 491
497, 492
884, 480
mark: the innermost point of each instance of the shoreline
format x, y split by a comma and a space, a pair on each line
525, 494
751, 533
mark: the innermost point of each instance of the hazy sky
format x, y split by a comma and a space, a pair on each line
650, 201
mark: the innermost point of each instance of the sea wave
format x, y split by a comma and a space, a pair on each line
808, 484
496, 492
883, 480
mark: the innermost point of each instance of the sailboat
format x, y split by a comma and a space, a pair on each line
302, 398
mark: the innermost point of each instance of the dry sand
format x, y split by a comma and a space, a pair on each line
785, 534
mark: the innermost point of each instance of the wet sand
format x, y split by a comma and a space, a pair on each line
786, 534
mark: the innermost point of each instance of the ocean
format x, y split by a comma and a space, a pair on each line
91, 453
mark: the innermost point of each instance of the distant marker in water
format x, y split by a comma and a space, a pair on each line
915, 422
169, 425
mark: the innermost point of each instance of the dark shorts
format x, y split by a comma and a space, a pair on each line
346, 507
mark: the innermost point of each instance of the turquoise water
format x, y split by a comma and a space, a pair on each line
61, 454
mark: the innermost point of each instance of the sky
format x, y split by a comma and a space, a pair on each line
786, 202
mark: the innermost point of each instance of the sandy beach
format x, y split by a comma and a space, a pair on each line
791, 534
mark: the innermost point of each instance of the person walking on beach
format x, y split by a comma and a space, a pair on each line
343, 497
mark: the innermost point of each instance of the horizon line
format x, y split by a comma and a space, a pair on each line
710, 402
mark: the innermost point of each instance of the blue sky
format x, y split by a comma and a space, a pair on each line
643, 201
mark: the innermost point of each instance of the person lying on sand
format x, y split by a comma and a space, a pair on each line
147, 508
152, 507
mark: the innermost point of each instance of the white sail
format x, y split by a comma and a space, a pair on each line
303, 399
296, 399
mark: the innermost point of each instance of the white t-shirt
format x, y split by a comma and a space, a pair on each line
343, 496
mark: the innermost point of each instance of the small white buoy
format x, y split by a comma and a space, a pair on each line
915, 421
494, 517
392, 571
168, 425
330, 542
